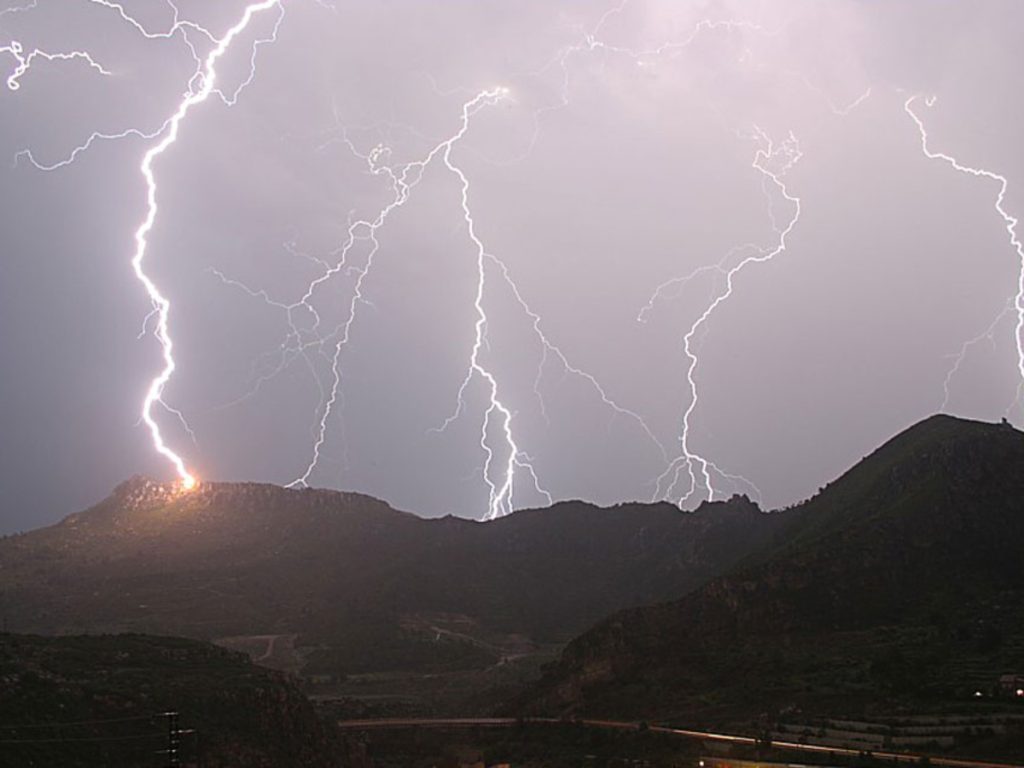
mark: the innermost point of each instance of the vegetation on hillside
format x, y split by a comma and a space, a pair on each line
899, 588
103, 701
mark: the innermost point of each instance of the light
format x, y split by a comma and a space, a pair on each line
1009, 222
200, 87
403, 180
768, 154
161, 305
1020, 692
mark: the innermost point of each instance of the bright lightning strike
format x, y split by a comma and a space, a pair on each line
402, 181
500, 488
402, 184
1009, 221
159, 301
503, 458
499, 476
772, 162
501, 483
201, 85
688, 475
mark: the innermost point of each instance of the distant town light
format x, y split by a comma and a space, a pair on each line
978, 694
1020, 691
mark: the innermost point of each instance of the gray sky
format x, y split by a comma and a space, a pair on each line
634, 145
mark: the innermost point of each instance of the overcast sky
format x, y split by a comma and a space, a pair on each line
634, 146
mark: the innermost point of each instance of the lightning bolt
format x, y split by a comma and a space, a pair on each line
402, 185
25, 60
590, 42
673, 287
960, 357
687, 476
772, 162
836, 109
549, 348
201, 85
159, 301
402, 180
1011, 231
500, 480
499, 471
501, 489
179, 28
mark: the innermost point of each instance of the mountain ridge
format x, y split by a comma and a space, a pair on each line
360, 587
909, 562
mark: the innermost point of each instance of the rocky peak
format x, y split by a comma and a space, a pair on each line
140, 491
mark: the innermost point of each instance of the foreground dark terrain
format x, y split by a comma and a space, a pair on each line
884, 614
101, 701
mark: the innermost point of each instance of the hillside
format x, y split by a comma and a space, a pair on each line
900, 587
340, 584
100, 701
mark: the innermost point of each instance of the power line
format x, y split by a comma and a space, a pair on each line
173, 733
172, 739
154, 735
82, 722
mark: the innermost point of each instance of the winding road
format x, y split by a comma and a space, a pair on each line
509, 722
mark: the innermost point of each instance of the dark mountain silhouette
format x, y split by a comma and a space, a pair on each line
342, 583
900, 585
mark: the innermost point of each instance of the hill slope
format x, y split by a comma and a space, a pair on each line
99, 701
900, 585
361, 587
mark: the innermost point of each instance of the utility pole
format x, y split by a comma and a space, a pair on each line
172, 740
174, 734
